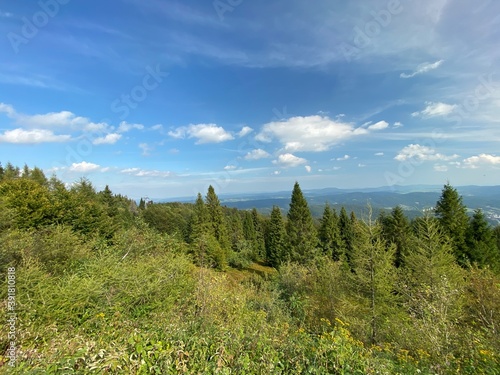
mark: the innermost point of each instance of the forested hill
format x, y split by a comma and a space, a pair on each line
100, 284
412, 199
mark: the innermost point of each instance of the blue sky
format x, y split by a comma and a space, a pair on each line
162, 98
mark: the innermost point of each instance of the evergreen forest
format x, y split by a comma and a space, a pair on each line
108, 285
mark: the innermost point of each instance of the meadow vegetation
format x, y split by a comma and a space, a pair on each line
105, 285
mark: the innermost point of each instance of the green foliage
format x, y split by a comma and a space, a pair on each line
481, 243
301, 233
105, 287
346, 228
276, 239
452, 215
329, 236
396, 229
373, 278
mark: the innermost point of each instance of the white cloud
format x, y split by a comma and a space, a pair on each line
257, 154
109, 139
435, 109
125, 127
32, 136
245, 131
311, 133
146, 173
345, 157
381, 125
51, 120
146, 149
204, 133
361, 165
422, 153
440, 168
423, 68
157, 127
289, 160
84, 167
482, 159
308, 168
8, 109
397, 124
379, 154
230, 167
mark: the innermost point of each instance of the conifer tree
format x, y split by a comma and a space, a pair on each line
276, 239
329, 234
2, 171
198, 222
346, 234
300, 228
481, 243
142, 204
216, 219
374, 276
453, 218
260, 245
432, 287
396, 230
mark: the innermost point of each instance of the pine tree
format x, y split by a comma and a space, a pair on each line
276, 239
300, 228
2, 171
453, 218
329, 234
481, 242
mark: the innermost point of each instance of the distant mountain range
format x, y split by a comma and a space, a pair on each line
414, 199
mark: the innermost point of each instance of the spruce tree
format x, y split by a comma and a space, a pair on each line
276, 239
346, 234
198, 222
432, 286
329, 234
452, 215
373, 276
481, 242
260, 245
216, 219
396, 230
300, 228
